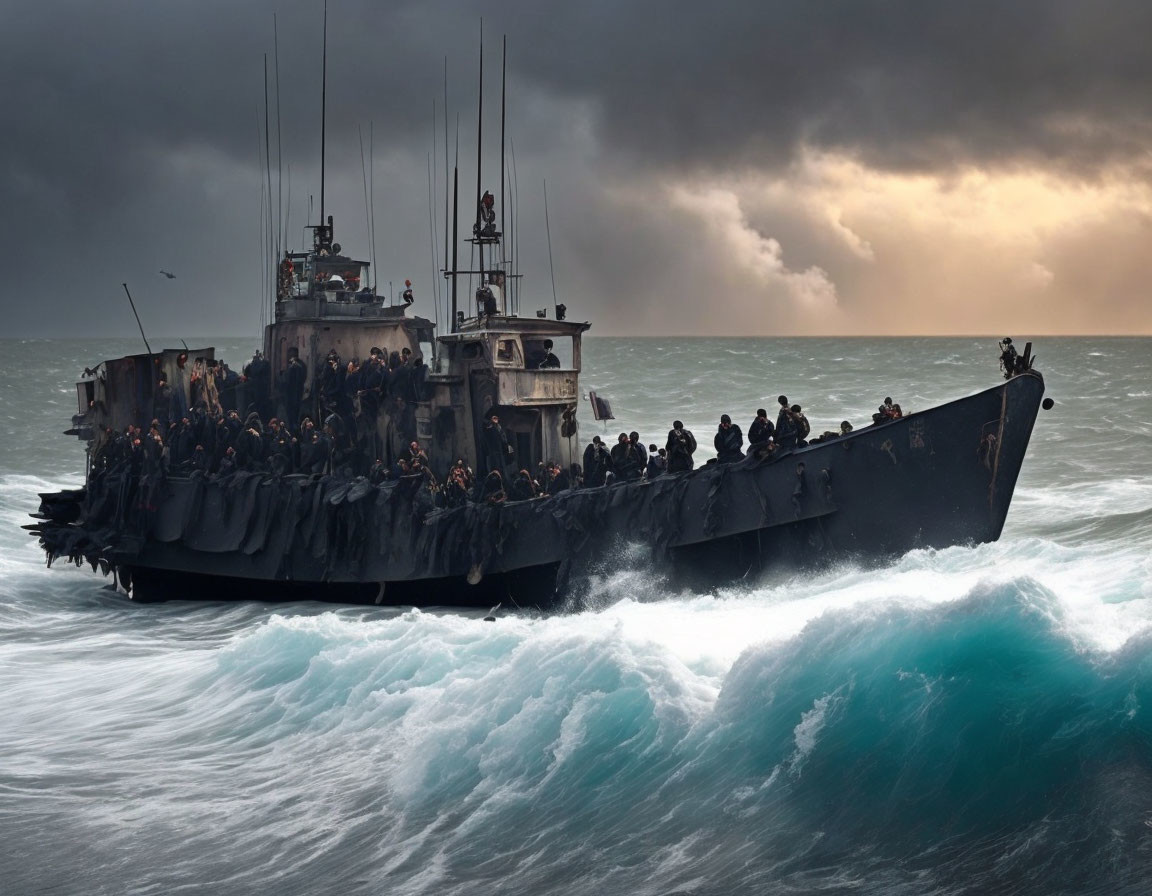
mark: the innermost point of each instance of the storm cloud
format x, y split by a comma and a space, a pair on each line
771, 167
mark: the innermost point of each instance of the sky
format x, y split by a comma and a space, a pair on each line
742, 167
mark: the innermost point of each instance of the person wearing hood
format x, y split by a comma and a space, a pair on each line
681, 446
315, 449
342, 451
293, 379
330, 383
497, 451
249, 443
522, 487
492, 489
729, 441
258, 373
597, 462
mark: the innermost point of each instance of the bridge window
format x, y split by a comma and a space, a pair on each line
537, 352
508, 353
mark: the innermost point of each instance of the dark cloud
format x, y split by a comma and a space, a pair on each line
901, 84
131, 139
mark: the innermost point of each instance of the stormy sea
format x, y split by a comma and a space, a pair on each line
969, 720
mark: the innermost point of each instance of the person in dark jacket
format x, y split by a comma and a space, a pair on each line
681, 446
787, 432
597, 462
492, 489
330, 383
249, 444
657, 462
560, 480
258, 373
200, 460
760, 431
227, 386
522, 487
803, 427
729, 441
548, 361
640, 456
341, 450
624, 463
315, 450
293, 378
497, 451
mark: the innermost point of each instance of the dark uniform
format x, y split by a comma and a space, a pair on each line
294, 377
760, 431
596, 462
787, 433
497, 451
259, 374
657, 463
549, 360
681, 446
729, 441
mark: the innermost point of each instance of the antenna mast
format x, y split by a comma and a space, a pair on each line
446, 175
268, 173
281, 227
372, 193
548, 230
323, 110
137, 316
503, 89
479, 145
455, 240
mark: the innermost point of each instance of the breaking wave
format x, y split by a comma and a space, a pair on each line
797, 736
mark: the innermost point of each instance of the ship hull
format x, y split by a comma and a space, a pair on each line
940, 477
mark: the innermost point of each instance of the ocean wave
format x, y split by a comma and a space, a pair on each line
900, 728
974, 719
861, 722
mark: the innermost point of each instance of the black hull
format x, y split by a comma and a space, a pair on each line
937, 478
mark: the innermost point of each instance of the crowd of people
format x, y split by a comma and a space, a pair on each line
229, 420
228, 423
628, 460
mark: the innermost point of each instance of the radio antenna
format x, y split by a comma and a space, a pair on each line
137, 316
548, 230
323, 111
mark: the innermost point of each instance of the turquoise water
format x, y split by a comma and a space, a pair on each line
971, 720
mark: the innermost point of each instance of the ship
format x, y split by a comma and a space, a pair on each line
935, 478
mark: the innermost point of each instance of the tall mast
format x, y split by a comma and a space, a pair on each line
372, 193
479, 144
323, 110
268, 174
548, 230
455, 240
503, 88
446, 175
281, 229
